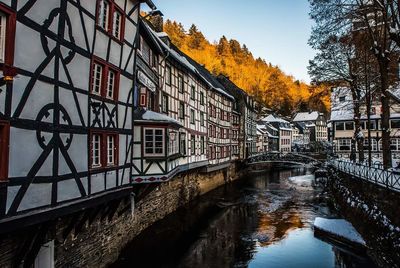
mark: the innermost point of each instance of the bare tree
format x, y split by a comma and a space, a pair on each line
373, 19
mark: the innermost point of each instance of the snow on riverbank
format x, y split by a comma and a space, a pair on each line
340, 228
303, 181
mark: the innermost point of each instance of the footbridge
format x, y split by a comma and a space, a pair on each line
281, 157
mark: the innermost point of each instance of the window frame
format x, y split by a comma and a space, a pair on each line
192, 116
181, 83
109, 29
9, 41
193, 144
168, 75
144, 145
181, 110
193, 92
107, 68
104, 164
164, 103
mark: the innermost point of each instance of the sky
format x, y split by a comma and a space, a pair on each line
275, 30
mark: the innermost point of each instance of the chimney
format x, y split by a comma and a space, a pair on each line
158, 22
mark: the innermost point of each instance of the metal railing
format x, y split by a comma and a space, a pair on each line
374, 174
282, 158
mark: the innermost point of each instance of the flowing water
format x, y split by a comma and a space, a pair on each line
263, 220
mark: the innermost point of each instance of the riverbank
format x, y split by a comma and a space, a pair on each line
373, 210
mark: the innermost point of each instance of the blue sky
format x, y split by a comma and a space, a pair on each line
276, 30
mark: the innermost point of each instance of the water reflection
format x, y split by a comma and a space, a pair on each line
262, 221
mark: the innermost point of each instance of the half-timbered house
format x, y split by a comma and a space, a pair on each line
66, 105
157, 135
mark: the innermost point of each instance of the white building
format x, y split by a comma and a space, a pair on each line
315, 122
285, 131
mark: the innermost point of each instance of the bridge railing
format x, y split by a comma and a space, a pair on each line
282, 157
386, 178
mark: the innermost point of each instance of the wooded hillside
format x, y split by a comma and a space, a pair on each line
264, 81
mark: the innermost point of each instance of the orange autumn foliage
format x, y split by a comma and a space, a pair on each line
265, 82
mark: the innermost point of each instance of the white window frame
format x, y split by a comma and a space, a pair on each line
154, 142
96, 150
111, 76
104, 14
3, 36
110, 150
117, 24
98, 71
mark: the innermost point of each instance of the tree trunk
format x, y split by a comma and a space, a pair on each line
369, 126
357, 121
385, 116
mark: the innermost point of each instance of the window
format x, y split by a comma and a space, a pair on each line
181, 110
395, 123
3, 32
110, 150
105, 80
164, 103
193, 145
344, 145
154, 142
117, 24
173, 143
181, 84
168, 75
202, 119
192, 116
202, 98
104, 149
143, 98
182, 144
372, 125
202, 145
145, 51
111, 19
96, 150
104, 14
97, 78
193, 92
4, 141
349, 125
339, 126
395, 144
111, 84
342, 99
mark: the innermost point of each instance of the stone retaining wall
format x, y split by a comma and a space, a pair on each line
97, 242
374, 212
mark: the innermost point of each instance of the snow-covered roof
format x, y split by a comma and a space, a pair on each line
301, 117
162, 34
272, 118
144, 116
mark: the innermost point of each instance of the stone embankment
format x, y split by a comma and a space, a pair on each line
373, 210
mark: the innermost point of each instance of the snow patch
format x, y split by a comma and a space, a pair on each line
339, 227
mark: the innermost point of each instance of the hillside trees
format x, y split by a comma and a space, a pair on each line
267, 83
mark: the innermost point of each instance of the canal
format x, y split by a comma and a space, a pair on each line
263, 220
